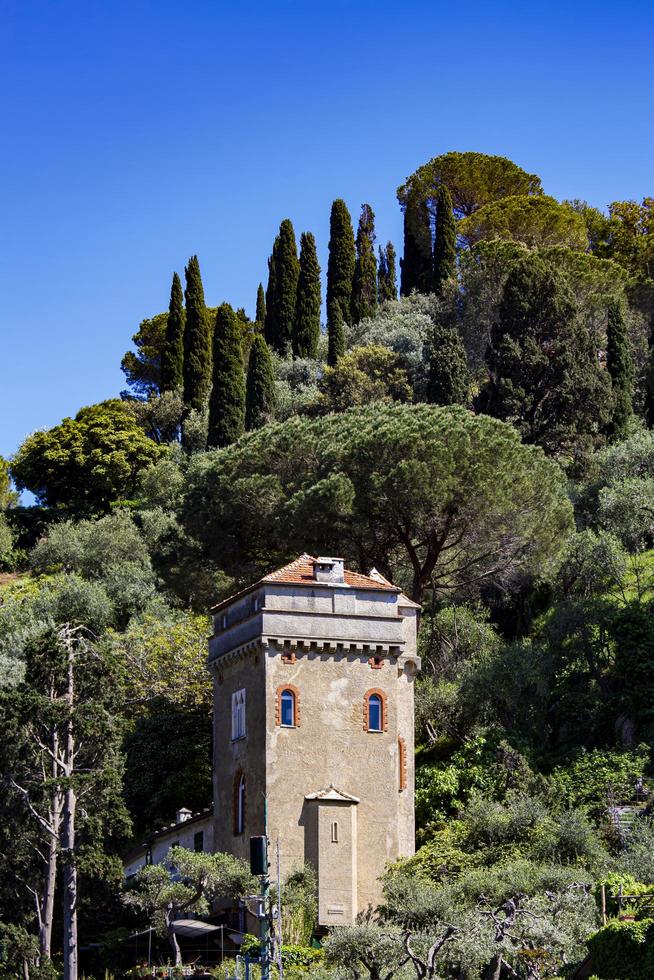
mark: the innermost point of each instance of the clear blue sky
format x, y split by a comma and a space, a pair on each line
137, 133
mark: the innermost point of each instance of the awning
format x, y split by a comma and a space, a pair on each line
193, 928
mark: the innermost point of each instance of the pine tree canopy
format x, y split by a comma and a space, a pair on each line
342, 259
260, 316
260, 387
172, 355
227, 402
197, 340
544, 372
364, 285
416, 264
386, 274
619, 363
335, 333
444, 241
306, 329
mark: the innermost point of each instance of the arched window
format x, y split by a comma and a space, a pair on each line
374, 711
287, 706
287, 709
239, 802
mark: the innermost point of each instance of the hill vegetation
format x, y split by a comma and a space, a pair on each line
486, 441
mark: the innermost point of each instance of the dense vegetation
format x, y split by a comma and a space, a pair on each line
485, 440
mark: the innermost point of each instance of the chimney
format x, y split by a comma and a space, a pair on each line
183, 815
330, 570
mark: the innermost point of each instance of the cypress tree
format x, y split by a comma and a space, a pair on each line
283, 273
445, 240
342, 259
448, 378
197, 340
306, 329
260, 315
172, 355
270, 323
335, 333
386, 274
416, 264
364, 283
619, 363
260, 386
227, 402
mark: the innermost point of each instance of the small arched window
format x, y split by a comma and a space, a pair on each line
374, 711
287, 708
239, 803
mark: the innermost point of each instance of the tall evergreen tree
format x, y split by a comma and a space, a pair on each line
227, 402
260, 386
416, 264
619, 363
386, 274
364, 283
270, 321
544, 375
448, 378
306, 330
260, 315
197, 340
445, 240
335, 333
341, 262
172, 355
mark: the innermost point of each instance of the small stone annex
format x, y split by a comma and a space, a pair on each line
313, 669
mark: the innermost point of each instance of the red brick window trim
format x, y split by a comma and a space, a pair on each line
376, 663
401, 757
239, 803
296, 705
366, 710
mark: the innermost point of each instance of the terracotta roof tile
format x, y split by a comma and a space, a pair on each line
300, 572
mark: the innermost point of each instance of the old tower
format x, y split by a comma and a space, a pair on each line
313, 669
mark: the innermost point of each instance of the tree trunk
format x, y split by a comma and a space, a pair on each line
47, 899
177, 953
494, 969
68, 830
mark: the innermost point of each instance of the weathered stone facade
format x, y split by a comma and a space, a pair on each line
313, 670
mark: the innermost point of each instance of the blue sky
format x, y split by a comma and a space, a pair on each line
137, 133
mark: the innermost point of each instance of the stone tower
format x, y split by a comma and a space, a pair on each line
313, 669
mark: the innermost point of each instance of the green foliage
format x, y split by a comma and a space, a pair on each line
227, 401
593, 778
8, 496
383, 476
623, 950
341, 263
364, 284
536, 221
544, 377
143, 368
386, 274
306, 326
172, 355
445, 239
335, 333
260, 387
473, 180
260, 315
88, 463
416, 263
620, 366
281, 297
197, 339
448, 378
361, 376
631, 235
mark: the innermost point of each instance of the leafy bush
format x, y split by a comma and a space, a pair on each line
624, 951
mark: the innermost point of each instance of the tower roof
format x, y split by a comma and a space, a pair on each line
301, 572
